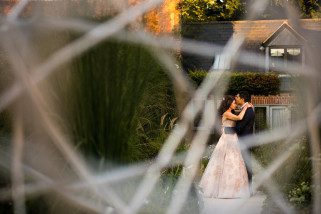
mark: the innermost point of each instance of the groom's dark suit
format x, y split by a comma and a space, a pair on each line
245, 127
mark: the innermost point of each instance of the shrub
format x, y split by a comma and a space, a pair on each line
293, 177
254, 83
301, 195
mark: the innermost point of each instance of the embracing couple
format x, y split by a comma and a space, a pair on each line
229, 172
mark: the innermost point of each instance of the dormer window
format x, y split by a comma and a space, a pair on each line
284, 46
294, 54
285, 55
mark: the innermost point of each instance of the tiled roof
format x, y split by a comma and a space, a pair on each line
255, 32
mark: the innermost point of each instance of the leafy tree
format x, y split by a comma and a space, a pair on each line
310, 8
211, 10
306, 8
217, 10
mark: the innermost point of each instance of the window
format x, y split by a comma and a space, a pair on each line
261, 122
293, 51
284, 55
280, 116
293, 54
277, 52
271, 117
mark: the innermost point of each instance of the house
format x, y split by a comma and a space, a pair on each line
272, 40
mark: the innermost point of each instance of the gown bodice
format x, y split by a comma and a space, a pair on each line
227, 123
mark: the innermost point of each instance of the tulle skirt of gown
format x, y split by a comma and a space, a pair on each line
225, 175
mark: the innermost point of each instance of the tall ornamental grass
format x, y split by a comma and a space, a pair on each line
113, 100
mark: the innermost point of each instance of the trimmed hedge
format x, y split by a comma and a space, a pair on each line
253, 82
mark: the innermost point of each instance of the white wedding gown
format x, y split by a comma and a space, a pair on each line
225, 175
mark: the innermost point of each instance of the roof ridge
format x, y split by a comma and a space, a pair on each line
284, 25
259, 20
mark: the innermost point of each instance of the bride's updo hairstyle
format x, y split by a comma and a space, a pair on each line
225, 104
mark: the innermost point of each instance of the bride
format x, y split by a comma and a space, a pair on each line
225, 175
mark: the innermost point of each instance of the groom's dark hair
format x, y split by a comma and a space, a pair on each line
245, 95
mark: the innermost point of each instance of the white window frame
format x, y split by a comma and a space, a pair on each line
269, 109
267, 113
285, 47
278, 107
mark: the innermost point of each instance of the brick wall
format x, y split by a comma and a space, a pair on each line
273, 100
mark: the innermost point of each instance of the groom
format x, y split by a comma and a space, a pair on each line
244, 128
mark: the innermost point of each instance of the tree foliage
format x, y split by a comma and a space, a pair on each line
211, 10
306, 8
219, 10
310, 8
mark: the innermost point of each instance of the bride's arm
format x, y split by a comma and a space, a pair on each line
234, 117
